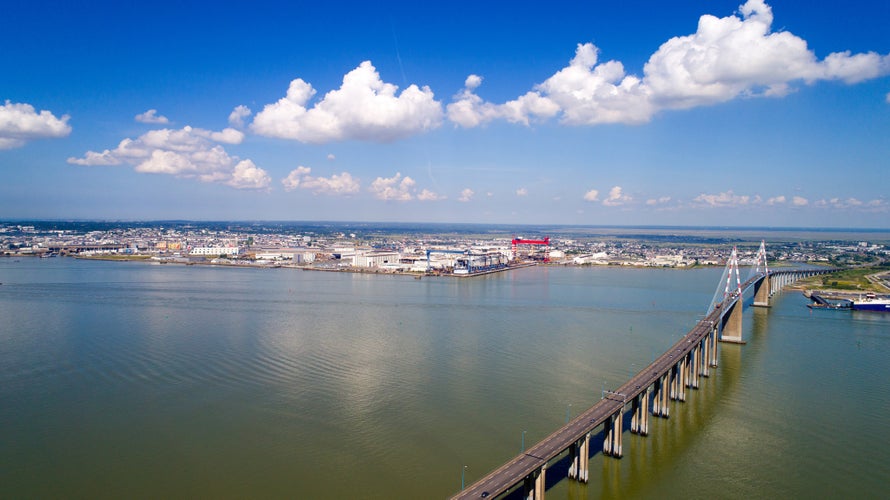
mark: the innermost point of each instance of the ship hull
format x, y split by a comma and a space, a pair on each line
871, 306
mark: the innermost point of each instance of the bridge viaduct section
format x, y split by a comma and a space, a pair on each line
649, 392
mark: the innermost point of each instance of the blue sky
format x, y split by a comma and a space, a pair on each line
682, 113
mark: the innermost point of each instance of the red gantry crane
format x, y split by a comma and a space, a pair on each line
545, 242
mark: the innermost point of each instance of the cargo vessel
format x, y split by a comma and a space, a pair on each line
871, 303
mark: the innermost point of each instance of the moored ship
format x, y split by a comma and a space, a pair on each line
871, 303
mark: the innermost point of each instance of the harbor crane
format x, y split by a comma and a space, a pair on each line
545, 242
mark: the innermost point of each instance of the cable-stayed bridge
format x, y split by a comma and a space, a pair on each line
649, 392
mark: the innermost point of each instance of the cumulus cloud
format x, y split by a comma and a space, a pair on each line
724, 199
342, 184
427, 195
331, 157
20, 123
776, 200
839, 203
469, 110
653, 202
151, 116
467, 195
592, 195
522, 192
799, 201
364, 108
187, 153
393, 188
248, 176
237, 116
726, 58
616, 197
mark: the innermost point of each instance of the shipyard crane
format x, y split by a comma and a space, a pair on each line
545, 242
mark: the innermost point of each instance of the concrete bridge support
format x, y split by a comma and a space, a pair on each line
705, 357
684, 379
533, 486
762, 292
712, 340
657, 391
678, 381
580, 458
661, 396
731, 324
639, 423
612, 446
694, 368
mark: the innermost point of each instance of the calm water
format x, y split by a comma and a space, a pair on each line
134, 380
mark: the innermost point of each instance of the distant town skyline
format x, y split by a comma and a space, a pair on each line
637, 113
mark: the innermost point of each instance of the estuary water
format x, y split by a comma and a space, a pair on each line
133, 380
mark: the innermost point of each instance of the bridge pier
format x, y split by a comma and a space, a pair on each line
712, 339
612, 446
580, 458
639, 423
678, 393
694, 367
705, 358
731, 324
762, 292
660, 406
684, 379
533, 485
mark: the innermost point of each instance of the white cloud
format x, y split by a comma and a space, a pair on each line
237, 116
19, 123
331, 157
187, 153
592, 195
473, 81
839, 203
522, 192
427, 195
616, 197
799, 201
658, 201
393, 188
725, 199
151, 116
469, 110
467, 195
776, 200
588, 93
293, 179
363, 108
726, 58
226, 135
248, 176
342, 184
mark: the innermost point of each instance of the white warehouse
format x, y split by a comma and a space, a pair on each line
375, 259
215, 251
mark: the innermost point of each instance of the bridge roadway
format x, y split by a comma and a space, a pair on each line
513, 472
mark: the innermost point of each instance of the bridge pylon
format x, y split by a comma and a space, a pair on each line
731, 318
762, 288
